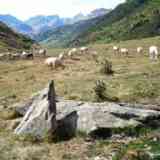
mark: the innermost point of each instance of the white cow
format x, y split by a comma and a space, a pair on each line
84, 50
61, 56
124, 51
72, 52
42, 52
94, 54
54, 62
26, 55
153, 52
139, 50
116, 49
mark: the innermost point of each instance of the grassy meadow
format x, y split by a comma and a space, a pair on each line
135, 79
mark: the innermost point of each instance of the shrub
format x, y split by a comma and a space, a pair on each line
101, 94
106, 67
100, 89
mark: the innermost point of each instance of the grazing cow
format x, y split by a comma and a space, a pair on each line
84, 50
116, 49
153, 52
27, 55
72, 52
124, 51
94, 54
139, 50
30, 56
42, 52
54, 62
61, 56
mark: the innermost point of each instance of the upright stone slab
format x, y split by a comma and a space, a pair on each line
40, 119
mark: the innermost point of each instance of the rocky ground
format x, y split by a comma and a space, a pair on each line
80, 130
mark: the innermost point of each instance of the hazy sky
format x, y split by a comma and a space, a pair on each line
24, 9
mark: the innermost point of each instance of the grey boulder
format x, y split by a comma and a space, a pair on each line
40, 118
44, 113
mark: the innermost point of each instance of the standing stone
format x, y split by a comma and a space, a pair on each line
40, 119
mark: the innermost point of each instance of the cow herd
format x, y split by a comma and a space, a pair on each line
58, 61
22, 55
55, 62
153, 51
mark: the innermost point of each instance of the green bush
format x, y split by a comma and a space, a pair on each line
101, 94
100, 89
106, 67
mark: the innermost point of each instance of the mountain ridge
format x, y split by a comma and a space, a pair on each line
41, 23
16, 24
64, 36
44, 23
134, 19
10, 40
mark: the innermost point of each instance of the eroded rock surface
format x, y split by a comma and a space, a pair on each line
94, 117
40, 119
44, 113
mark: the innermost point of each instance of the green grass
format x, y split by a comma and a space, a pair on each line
135, 79
12, 41
139, 150
135, 19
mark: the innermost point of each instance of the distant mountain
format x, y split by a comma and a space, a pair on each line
81, 17
98, 12
64, 35
10, 40
43, 23
134, 19
53, 27
78, 17
16, 24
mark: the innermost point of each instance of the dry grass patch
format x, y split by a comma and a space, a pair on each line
20, 79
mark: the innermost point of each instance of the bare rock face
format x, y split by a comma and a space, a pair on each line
101, 118
40, 119
41, 116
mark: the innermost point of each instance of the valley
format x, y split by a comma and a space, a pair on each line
135, 80
81, 88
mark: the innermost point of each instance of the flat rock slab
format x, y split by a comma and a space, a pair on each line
44, 112
94, 116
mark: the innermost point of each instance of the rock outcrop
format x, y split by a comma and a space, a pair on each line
44, 113
101, 118
40, 119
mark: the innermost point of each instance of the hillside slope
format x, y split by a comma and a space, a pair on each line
16, 24
133, 19
42, 23
10, 40
64, 36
